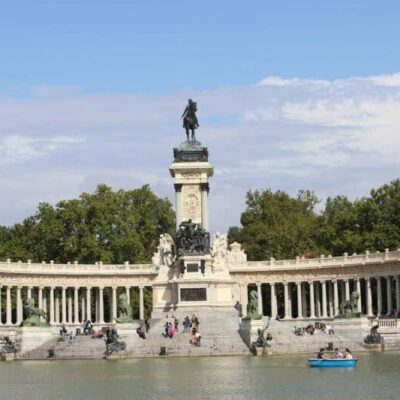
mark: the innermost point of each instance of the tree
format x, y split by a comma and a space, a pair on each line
107, 226
277, 225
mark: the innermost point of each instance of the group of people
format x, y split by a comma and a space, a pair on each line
310, 329
171, 328
347, 354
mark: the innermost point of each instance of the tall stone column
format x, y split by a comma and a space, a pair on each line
8, 306
76, 305
40, 298
286, 299
244, 299
389, 294
274, 304
397, 277
1, 320
19, 305
101, 301
51, 294
97, 305
141, 303
88, 304
259, 297
358, 290
299, 298
335, 298
128, 294
347, 288
312, 302
29, 292
178, 203
379, 295
205, 187
114, 304
324, 310
69, 296
369, 296
57, 306
44, 303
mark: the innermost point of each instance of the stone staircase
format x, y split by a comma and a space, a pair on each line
285, 341
219, 332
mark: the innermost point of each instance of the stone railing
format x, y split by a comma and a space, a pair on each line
76, 268
387, 323
321, 262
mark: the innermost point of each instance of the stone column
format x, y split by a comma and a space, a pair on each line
347, 286
274, 305
358, 290
286, 299
312, 304
178, 204
29, 292
335, 298
141, 303
244, 299
51, 294
57, 306
397, 293
128, 294
259, 297
101, 304
44, 303
389, 294
369, 296
40, 298
97, 305
299, 298
379, 296
204, 204
69, 296
19, 306
114, 304
88, 304
8, 306
1, 320
330, 297
76, 305
83, 307
324, 310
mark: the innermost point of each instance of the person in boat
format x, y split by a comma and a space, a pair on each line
321, 354
338, 354
348, 355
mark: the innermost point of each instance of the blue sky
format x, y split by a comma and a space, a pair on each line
292, 95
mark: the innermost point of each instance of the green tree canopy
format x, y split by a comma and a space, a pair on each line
107, 226
277, 225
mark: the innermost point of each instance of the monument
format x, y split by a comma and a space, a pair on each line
192, 274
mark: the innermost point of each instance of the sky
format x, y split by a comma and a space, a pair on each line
291, 95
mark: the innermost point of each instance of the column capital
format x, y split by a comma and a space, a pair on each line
178, 187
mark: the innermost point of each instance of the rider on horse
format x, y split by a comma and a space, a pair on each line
190, 121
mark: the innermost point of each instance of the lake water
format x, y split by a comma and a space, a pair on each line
377, 376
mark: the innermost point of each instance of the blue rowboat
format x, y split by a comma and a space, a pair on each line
329, 363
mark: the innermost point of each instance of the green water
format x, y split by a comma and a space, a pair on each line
377, 376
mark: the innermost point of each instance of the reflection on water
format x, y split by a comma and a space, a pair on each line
377, 376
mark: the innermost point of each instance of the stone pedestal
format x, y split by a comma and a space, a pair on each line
34, 337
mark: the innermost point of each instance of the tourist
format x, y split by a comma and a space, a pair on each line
166, 328
140, 332
338, 353
348, 355
171, 331
187, 324
176, 324
321, 354
63, 331
147, 325
328, 329
393, 313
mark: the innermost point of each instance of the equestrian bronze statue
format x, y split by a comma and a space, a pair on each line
190, 122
